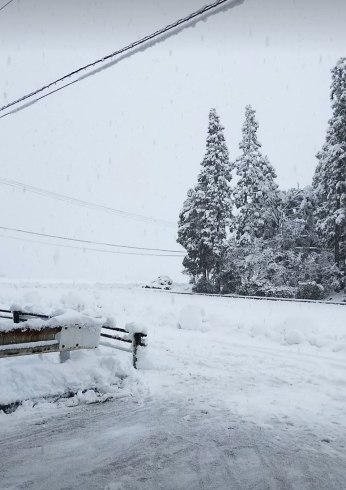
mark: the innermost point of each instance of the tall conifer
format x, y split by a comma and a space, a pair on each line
256, 193
330, 177
207, 213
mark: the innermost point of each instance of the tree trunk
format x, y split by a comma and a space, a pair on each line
337, 245
217, 274
337, 232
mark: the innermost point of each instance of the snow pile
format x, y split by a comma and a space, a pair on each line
41, 376
192, 317
294, 337
296, 330
162, 282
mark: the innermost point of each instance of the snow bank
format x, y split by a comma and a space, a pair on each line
41, 376
191, 317
294, 337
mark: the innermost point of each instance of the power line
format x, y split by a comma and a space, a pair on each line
86, 249
86, 204
89, 241
167, 31
28, 104
8, 3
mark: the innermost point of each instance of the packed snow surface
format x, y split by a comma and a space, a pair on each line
230, 393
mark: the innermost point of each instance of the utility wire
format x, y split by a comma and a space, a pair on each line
86, 249
89, 241
196, 16
28, 104
8, 3
78, 202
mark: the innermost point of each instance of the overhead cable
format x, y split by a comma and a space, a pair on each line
86, 204
90, 242
8, 3
142, 44
86, 249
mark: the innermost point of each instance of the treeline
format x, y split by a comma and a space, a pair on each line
252, 238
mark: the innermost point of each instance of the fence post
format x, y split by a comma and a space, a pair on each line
137, 340
15, 316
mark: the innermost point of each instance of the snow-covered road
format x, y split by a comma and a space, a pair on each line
150, 445
244, 395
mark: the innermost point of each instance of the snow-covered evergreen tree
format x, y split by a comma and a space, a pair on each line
256, 193
330, 176
188, 236
295, 219
207, 213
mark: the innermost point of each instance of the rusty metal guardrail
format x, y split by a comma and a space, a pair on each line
63, 339
19, 341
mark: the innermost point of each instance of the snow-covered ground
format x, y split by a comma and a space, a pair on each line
230, 393
171, 444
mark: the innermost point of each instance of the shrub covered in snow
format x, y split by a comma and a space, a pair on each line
310, 290
271, 268
165, 281
230, 280
280, 292
162, 282
265, 289
205, 286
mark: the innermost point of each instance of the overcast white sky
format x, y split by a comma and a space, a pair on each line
133, 136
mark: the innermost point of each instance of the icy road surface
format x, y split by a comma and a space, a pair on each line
150, 445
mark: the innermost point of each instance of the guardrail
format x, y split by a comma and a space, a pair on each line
21, 316
137, 339
19, 341
259, 298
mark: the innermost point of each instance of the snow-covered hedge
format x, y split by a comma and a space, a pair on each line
310, 290
266, 289
204, 286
